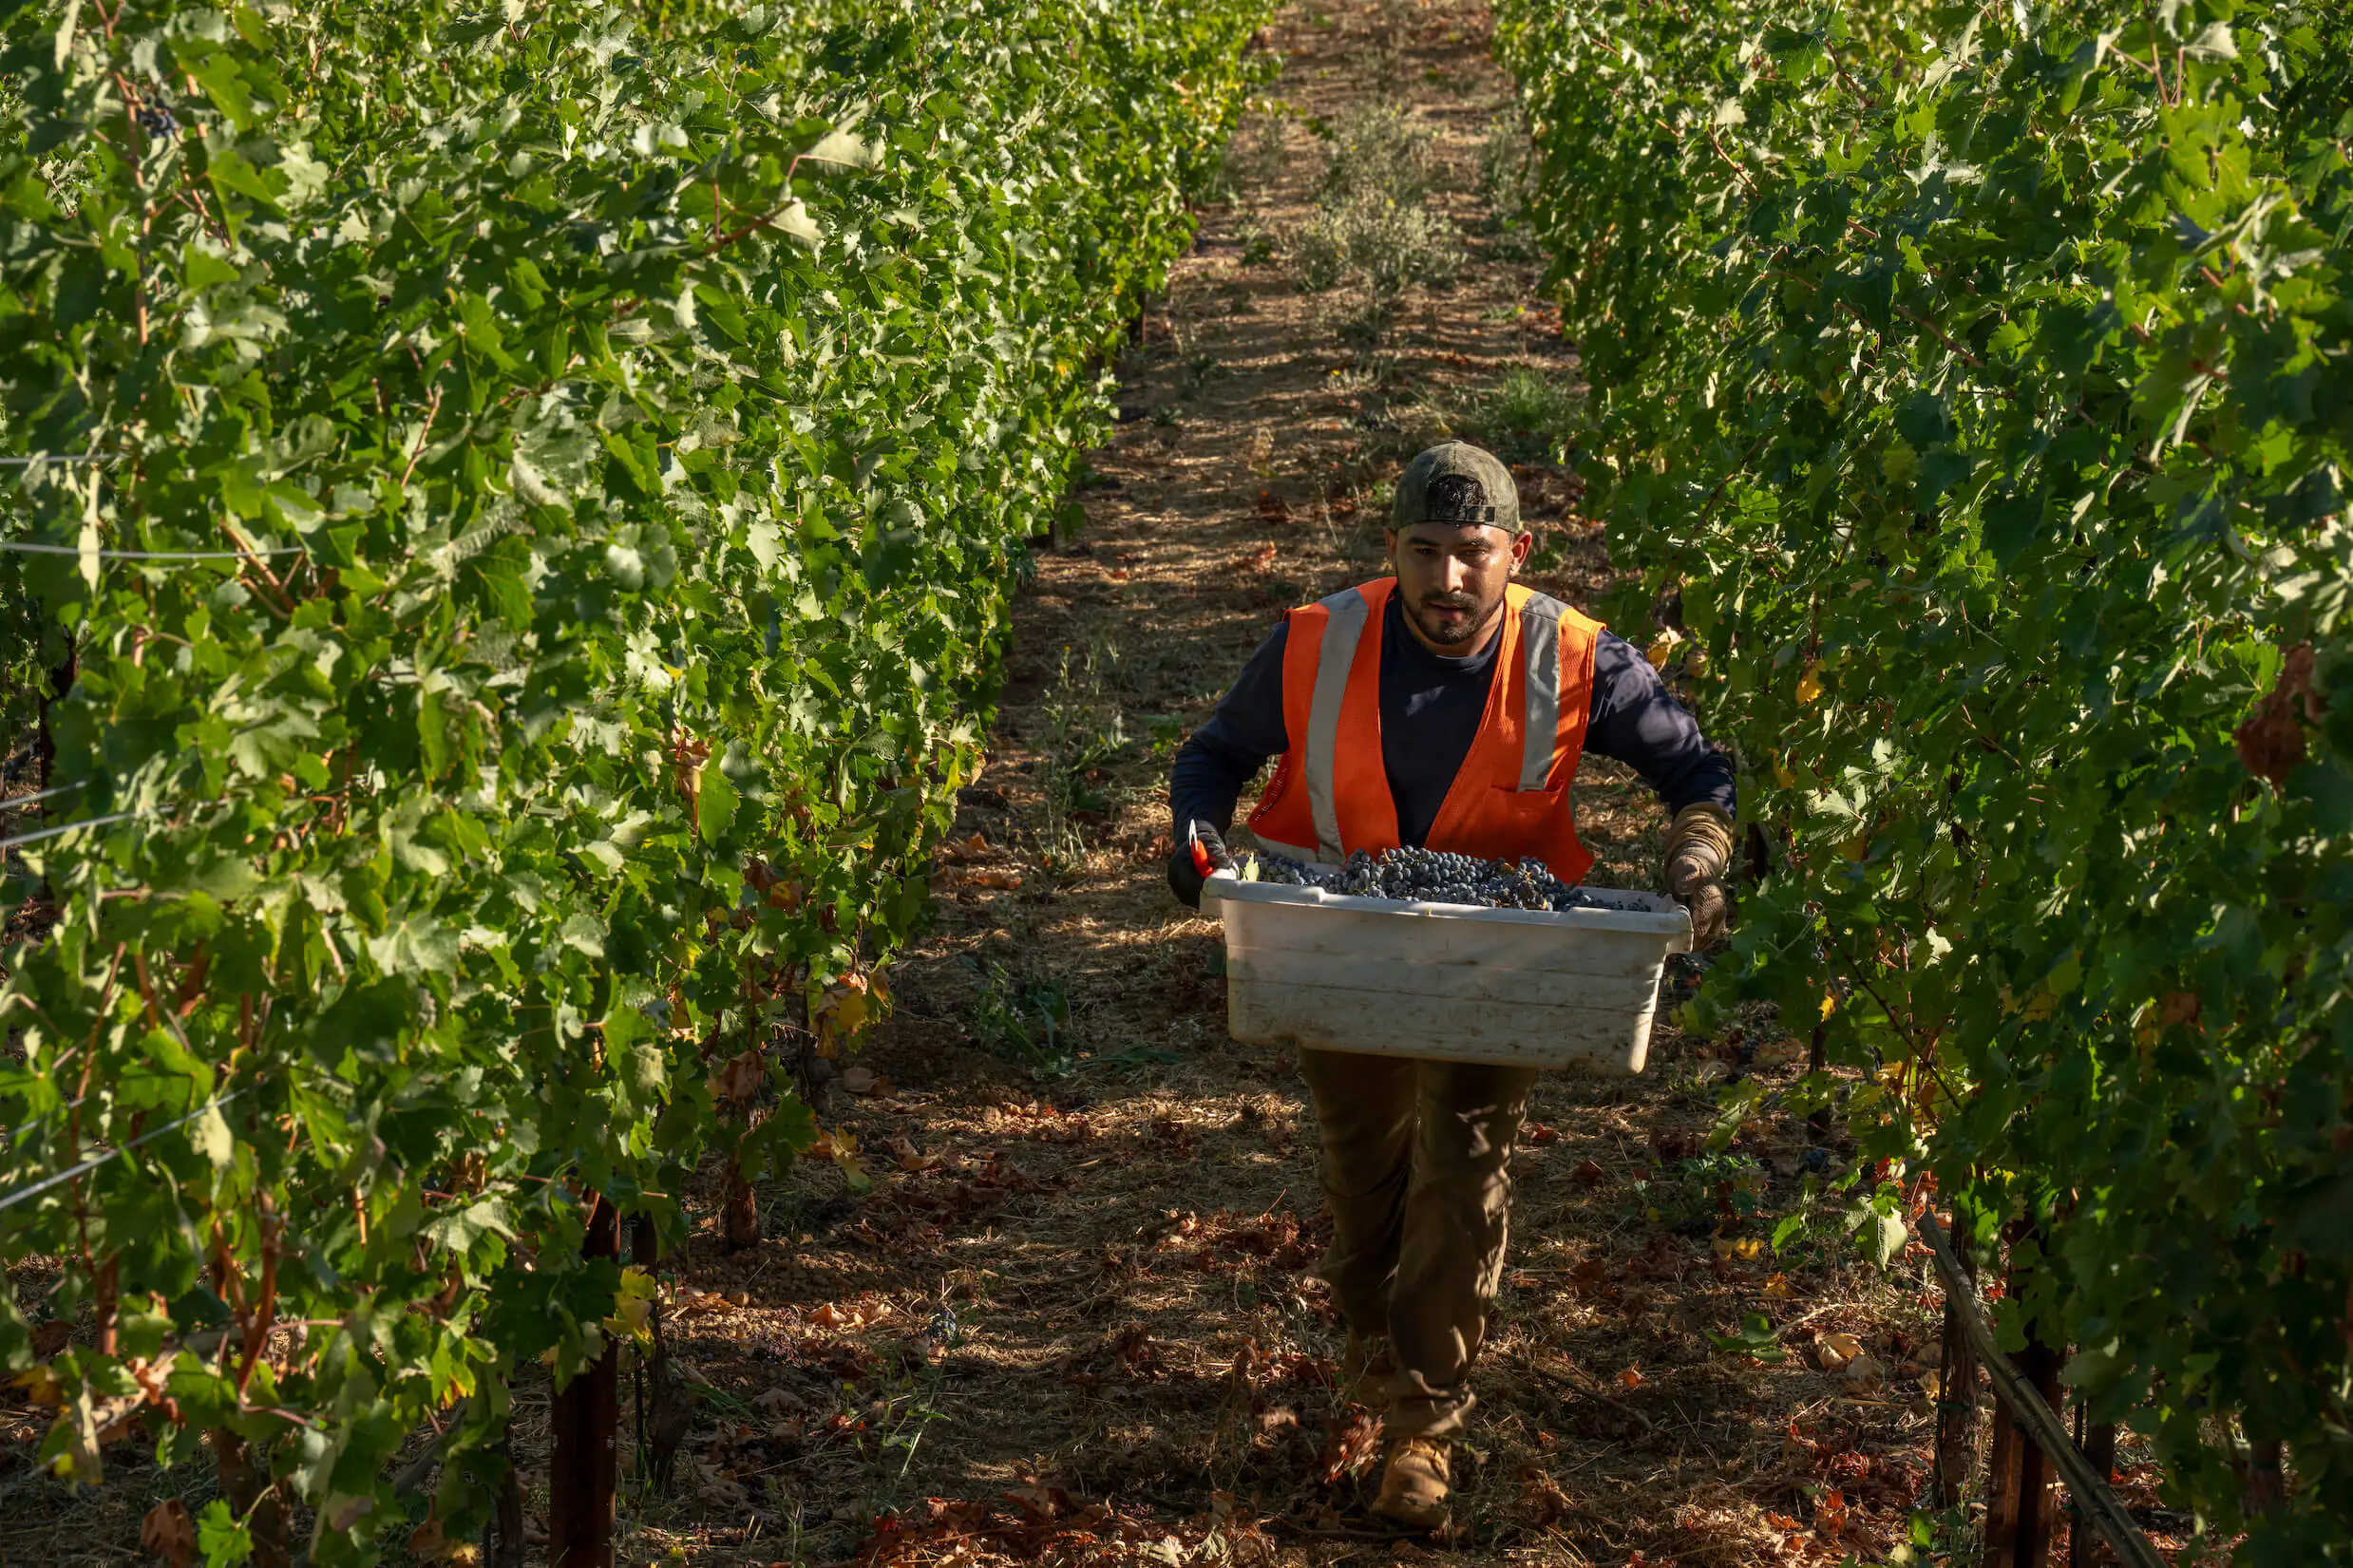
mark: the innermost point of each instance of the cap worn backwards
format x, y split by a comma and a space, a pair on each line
1456, 482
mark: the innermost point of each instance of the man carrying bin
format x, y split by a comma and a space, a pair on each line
1446, 707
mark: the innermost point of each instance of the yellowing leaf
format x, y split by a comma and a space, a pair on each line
1808, 686
1830, 1003
41, 1386
633, 1311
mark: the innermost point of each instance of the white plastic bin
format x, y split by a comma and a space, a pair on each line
1518, 987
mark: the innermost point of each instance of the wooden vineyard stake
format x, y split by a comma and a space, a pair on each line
2001, 1477
2038, 1499
582, 1474
741, 1216
506, 1509
1818, 1057
2020, 1511
665, 1411
44, 741
247, 1487
2084, 1549
2020, 1406
1956, 1404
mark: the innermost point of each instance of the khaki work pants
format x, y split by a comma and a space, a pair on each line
1416, 1165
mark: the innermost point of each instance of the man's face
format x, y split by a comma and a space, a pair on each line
1450, 580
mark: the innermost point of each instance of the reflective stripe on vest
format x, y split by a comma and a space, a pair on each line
1540, 654
1341, 634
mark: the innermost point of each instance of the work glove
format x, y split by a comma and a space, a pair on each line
1698, 849
1198, 854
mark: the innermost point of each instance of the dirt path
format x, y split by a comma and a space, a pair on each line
1072, 1320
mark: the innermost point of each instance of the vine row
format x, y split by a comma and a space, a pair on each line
554, 480
1973, 387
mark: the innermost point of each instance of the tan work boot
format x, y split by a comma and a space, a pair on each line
1413, 1484
1367, 1364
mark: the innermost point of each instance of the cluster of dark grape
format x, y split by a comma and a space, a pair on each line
1435, 877
158, 121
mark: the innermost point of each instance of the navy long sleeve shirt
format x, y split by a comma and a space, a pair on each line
1430, 707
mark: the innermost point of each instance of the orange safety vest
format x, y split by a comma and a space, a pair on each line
1330, 795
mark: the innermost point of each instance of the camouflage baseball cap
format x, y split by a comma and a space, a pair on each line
1456, 482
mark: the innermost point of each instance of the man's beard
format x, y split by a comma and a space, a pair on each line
1452, 633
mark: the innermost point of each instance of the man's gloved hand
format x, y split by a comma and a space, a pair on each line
1698, 849
1199, 853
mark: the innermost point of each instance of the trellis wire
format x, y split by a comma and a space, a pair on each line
35, 1189
31, 549
17, 1134
68, 827
42, 795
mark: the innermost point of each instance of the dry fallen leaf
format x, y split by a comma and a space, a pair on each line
1631, 1377
1353, 1448
168, 1532
911, 1158
850, 1315
1778, 1287
741, 1077
1836, 1349
1863, 1374
1542, 1497
427, 1543
964, 849
861, 1080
